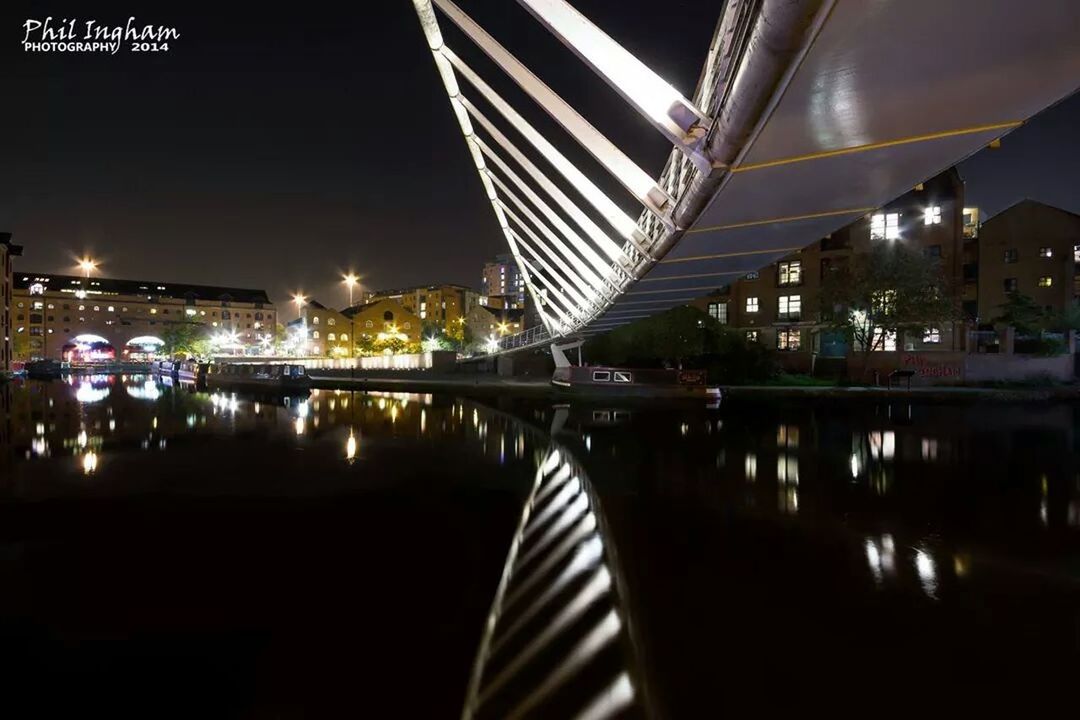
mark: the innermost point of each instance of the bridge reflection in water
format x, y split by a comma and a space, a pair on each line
337, 552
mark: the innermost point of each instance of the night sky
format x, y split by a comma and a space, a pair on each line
278, 148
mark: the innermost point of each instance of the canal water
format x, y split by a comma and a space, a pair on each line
172, 553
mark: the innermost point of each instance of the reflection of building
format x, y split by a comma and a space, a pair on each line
503, 286
51, 311
7, 251
778, 304
1031, 249
444, 306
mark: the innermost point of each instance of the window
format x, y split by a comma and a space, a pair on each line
1010, 285
407, 325
789, 273
1045, 252
885, 226
933, 215
601, 376
932, 336
753, 274
315, 335
331, 337
1011, 255
153, 311
622, 376
1046, 281
788, 339
888, 344
1076, 253
368, 323
789, 307
718, 312
751, 336
388, 316
751, 304
344, 337
314, 320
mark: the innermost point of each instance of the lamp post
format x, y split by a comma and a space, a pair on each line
299, 299
351, 281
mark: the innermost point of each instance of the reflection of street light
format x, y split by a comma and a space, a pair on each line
350, 281
350, 447
87, 265
299, 299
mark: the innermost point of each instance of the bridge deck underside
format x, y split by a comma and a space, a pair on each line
887, 95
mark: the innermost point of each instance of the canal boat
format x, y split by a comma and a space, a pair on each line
274, 377
170, 368
634, 383
192, 371
47, 369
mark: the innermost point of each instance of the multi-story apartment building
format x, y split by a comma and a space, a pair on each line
7, 251
502, 284
56, 314
1031, 249
445, 306
779, 304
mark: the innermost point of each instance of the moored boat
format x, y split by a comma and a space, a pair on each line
47, 369
192, 371
167, 367
627, 382
277, 377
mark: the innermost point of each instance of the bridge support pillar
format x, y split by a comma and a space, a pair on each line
558, 352
504, 366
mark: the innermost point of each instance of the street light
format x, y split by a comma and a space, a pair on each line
87, 265
350, 280
503, 328
299, 299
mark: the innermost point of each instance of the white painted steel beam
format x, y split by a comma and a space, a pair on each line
582, 308
585, 293
626, 226
598, 236
626, 171
595, 281
662, 105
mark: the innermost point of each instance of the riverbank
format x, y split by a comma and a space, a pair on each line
936, 393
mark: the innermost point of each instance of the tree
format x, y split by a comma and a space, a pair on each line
889, 290
1022, 313
185, 338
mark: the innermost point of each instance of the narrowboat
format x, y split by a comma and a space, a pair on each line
192, 371
626, 382
168, 368
47, 369
276, 377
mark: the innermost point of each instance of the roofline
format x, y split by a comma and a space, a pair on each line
1031, 200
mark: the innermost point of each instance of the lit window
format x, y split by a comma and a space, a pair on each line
1076, 253
97, 308
331, 337
933, 215
368, 324
1046, 281
407, 326
331, 321
315, 334
1045, 252
789, 307
153, 311
888, 344
751, 336
753, 275
315, 320
112, 309
789, 273
344, 337
189, 311
932, 336
885, 226
718, 311
1011, 255
751, 304
788, 339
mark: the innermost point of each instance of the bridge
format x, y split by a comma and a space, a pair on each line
808, 115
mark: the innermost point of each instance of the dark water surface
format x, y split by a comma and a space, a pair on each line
165, 552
